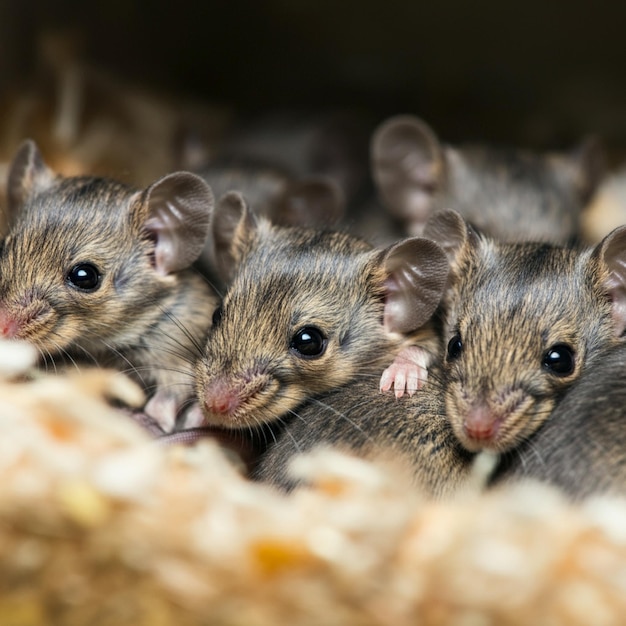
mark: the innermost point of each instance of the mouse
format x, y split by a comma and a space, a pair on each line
581, 447
522, 322
95, 271
308, 200
306, 310
509, 193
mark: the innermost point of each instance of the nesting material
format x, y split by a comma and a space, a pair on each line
101, 525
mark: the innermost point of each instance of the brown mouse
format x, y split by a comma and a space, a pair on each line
509, 193
306, 311
93, 270
581, 447
522, 323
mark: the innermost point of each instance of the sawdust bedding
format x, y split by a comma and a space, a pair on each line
101, 525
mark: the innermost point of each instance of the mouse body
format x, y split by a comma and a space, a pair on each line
94, 271
509, 193
306, 311
412, 434
581, 447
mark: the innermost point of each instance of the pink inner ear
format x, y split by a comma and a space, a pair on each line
613, 253
178, 207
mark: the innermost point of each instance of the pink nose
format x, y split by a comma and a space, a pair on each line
481, 424
221, 398
9, 326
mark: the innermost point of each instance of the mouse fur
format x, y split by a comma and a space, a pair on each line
509, 193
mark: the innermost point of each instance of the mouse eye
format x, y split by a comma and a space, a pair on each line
559, 359
308, 343
84, 276
217, 315
455, 348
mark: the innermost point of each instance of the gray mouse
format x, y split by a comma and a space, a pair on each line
283, 198
581, 447
510, 193
92, 270
306, 311
522, 323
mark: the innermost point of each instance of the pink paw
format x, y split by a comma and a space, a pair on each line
407, 373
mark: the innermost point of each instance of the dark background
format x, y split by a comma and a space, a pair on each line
536, 73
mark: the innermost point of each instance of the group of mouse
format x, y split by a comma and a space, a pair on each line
261, 317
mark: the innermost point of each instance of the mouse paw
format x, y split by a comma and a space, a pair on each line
407, 373
163, 408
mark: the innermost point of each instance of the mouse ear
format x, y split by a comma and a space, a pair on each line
176, 211
448, 229
232, 223
28, 175
417, 270
312, 202
584, 168
408, 166
612, 252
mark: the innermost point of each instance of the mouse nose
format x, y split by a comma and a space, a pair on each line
481, 424
9, 326
220, 398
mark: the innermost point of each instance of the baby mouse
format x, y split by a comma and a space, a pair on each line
522, 323
511, 194
306, 311
581, 447
92, 269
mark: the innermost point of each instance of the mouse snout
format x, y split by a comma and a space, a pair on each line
221, 398
9, 325
481, 424
228, 400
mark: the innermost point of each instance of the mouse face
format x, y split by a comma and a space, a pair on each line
88, 262
511, 194
306, 311
522, 322
70, 270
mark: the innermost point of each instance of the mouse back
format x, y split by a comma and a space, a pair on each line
523, 321
306, 310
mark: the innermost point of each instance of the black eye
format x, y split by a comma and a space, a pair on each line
559, 359
217, 315
308, 342
455, 348
84, 276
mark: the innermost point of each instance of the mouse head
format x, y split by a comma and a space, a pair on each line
306, 311
522, 321
87, 262
508, 193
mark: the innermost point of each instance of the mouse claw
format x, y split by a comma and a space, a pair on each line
407, 373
